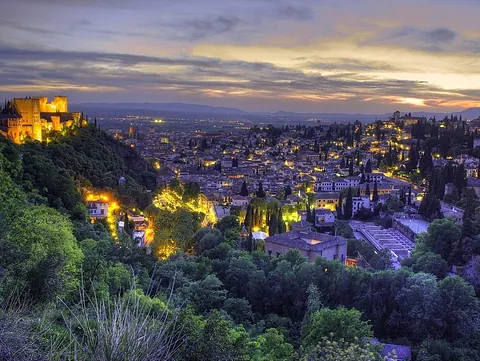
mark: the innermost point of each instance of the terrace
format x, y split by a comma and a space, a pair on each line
390, 238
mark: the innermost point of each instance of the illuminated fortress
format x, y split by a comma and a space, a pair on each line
34, 117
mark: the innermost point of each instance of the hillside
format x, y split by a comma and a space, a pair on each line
84, 159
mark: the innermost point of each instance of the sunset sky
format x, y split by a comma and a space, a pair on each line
261, 55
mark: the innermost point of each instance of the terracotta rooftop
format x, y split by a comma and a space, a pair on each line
306, 240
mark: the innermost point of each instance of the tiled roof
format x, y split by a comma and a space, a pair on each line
327, 195
300, 239
302, 224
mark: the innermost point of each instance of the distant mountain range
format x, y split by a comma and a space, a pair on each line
471, 113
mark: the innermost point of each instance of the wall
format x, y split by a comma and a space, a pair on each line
328, 253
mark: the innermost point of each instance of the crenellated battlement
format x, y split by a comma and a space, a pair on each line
35, 117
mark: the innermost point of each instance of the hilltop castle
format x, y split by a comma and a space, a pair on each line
34, 118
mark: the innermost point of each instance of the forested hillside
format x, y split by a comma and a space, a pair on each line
70, 292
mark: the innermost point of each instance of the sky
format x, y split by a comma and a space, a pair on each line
348, 56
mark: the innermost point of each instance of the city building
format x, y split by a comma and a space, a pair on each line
327, 200
324, 218
310, 244
98, 208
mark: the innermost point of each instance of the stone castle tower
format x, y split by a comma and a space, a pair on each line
35, 117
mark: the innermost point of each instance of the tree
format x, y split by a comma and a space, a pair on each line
126, 224
248, 222
239, 309
440, 238
430, 262
368, 167
191, 191
244, 189
362, 179
213, 338
375, 192
206, 239
348, 211
339, 350
459, 306
426, 162
228, 223
430, 207
207, 294
343, 229
339, 323
340, 207
419, 304
288, 191
350, 168
49, 262
460, 178
412, 161
260, 191
381, 260
271, 346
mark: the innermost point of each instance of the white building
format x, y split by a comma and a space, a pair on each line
353, 181
339, 184
324, 217
324, 186
98, 209
239, 201
359, 203
375, 177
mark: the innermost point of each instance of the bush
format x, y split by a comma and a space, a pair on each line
124, 329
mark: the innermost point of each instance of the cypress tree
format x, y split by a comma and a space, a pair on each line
412, 159
340, 207
244, 189
348, 205
260, 191
256, 217
249, 217
250, 242
126, 226
362, 179
375, 192
367, 190
350, 168
309, 214
368, 167
288, 191
426, 162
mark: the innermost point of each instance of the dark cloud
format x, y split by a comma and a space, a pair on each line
18, 54
204, 28
427, 40
295, 13
440, 35
10, 24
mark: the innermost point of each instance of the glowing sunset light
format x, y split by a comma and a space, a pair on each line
328, 56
